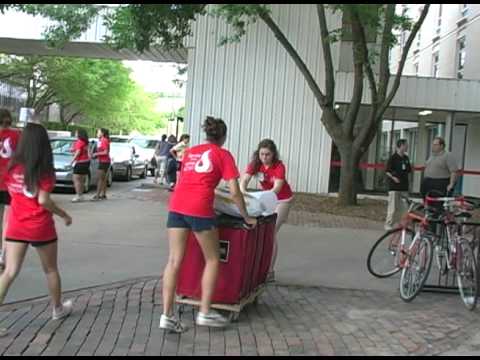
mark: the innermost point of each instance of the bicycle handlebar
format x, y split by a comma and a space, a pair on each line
460, 199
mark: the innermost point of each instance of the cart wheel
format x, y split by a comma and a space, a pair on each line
234, 316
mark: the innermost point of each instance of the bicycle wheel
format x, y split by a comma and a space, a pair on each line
417, 269
383, 259
467, 274
442, 251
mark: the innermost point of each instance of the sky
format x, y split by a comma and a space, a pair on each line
156, 77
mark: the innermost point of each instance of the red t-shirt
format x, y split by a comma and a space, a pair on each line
27, 219
81, 145
8, 144
104, 145
267, 177
203, 167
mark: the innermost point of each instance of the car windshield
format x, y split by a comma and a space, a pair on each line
145, 143
62, 146
114, 139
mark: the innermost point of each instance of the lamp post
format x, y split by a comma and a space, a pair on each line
177, 119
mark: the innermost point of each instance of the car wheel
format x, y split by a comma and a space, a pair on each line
128, 175
87, 183
110, 178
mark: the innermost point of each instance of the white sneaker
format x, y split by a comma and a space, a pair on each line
171, 324
212, 319
77, 199
66, 310
469, 300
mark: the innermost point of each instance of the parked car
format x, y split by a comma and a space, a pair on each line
145, 147
120, 138
62, 158
126, 162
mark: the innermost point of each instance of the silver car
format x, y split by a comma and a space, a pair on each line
145, 147
126, 162
62, 158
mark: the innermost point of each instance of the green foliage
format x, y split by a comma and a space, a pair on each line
70, 20
55, 126
101, 91
141, 26
238, 16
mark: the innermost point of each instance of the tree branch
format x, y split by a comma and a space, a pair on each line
403, 59
384, 52
327, 57
377, 114
43, 101
78, 113
296, 58
359, 57
359, 36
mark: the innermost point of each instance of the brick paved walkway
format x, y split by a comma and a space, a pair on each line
122, 319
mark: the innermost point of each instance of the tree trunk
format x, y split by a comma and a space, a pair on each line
350, 159
62, 115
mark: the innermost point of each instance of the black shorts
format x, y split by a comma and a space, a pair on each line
103, 166
5, 198
34, 244
82, 168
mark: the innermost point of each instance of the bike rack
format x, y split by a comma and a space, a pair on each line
447, 282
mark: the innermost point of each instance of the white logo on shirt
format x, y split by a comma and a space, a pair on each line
204, 165
6, 151
28, 194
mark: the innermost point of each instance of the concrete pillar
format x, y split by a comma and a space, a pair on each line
422, 153
449, 125
372, 159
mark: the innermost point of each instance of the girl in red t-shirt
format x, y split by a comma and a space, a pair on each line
30, 180
9, 139
80, 163
103, 156
191, 209
271, 173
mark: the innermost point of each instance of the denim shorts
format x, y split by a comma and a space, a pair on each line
196, 224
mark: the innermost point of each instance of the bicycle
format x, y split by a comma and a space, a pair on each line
416, 259
383, 258
453, 250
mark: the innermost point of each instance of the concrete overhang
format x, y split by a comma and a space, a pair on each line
421, 93
89, 50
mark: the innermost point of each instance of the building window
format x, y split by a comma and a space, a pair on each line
419, 38
439, 20
462, 51
435, 62
464, 9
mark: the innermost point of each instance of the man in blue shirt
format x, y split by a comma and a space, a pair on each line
162, 152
